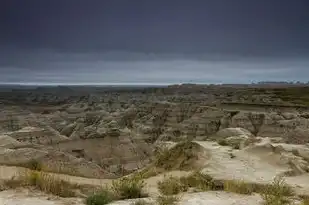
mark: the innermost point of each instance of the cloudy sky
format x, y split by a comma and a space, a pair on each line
153, 41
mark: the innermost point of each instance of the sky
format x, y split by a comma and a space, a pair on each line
153, 41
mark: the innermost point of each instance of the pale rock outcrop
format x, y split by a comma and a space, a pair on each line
67, 131
8, 142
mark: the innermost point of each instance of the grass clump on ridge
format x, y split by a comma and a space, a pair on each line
180, 157
185, 155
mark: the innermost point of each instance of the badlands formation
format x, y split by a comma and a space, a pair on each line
94, 136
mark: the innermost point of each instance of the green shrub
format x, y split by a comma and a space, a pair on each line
277, 193
100, 198
128, 188
171, 185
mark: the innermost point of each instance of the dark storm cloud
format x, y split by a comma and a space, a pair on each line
158, 41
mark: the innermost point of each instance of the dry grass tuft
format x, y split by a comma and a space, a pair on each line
239, 187
42, 181
199, 181
128, 188
277, 193
171, 186
48, 183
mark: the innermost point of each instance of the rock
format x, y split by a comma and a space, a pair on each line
289, 116
67, 131
232, 132
242, 120
8, 142
238, 142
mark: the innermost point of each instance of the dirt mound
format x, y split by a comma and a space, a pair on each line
277, 155
182, 156
264, 149
53, 161
237, 138
37, 136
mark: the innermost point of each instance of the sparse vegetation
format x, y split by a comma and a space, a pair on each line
199, 181
277, 193
125, 188
128, 188
171, 185
44, 182
239, 187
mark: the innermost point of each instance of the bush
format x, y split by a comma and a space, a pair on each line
128, 188
167, 200
199, 180
100, 198
171, 186
277, 193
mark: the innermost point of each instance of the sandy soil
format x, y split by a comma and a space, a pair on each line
211, 198
26, 197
